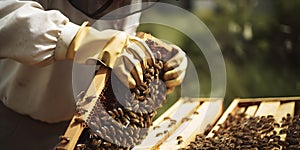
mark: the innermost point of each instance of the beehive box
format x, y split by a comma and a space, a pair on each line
186, 118
255, 123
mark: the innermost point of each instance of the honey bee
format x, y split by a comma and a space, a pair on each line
166, 131
80, 146
158, 134
186, 119
80, 96
60, 148
64, 140
120, 111
166, 118
156, 127
96, 143
179, 142
111, 114
89, 98
106, 144
79, 120
116, 112
179, 137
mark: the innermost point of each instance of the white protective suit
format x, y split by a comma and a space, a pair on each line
35, 78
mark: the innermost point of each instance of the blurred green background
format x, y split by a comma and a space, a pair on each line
259, 40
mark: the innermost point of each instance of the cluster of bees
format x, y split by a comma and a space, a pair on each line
292, 140
241, 132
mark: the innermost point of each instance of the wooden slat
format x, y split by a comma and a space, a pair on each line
267, 108
74, 130
229, 110
201, 99
157, 136
269, 99
175, 106
169, 112
95, 89
207, 113
282, 111
157, 123
239, 110
251, 110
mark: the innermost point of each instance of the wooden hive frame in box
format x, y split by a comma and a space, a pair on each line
186, 118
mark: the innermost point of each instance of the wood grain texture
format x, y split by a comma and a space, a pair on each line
74, 129
207, 113
267, 108
284, 109
167, 124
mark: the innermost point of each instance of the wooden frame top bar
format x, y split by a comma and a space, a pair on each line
267, 99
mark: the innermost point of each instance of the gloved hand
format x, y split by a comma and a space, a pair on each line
175, 68
126, 55
175, 61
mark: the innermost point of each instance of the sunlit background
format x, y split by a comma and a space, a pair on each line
259, 40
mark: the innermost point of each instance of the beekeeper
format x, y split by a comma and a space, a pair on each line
38, 44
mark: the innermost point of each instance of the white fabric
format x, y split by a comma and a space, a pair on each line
64, 40
35, 79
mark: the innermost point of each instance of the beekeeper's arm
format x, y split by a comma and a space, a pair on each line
33, 36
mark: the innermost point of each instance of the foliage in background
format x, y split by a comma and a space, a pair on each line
260, 41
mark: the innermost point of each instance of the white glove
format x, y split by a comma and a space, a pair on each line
175, 61
125, 54
175, 68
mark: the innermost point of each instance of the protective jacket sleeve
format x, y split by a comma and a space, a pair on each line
33, 36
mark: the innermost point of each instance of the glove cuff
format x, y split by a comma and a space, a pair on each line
78, 37
64, 40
